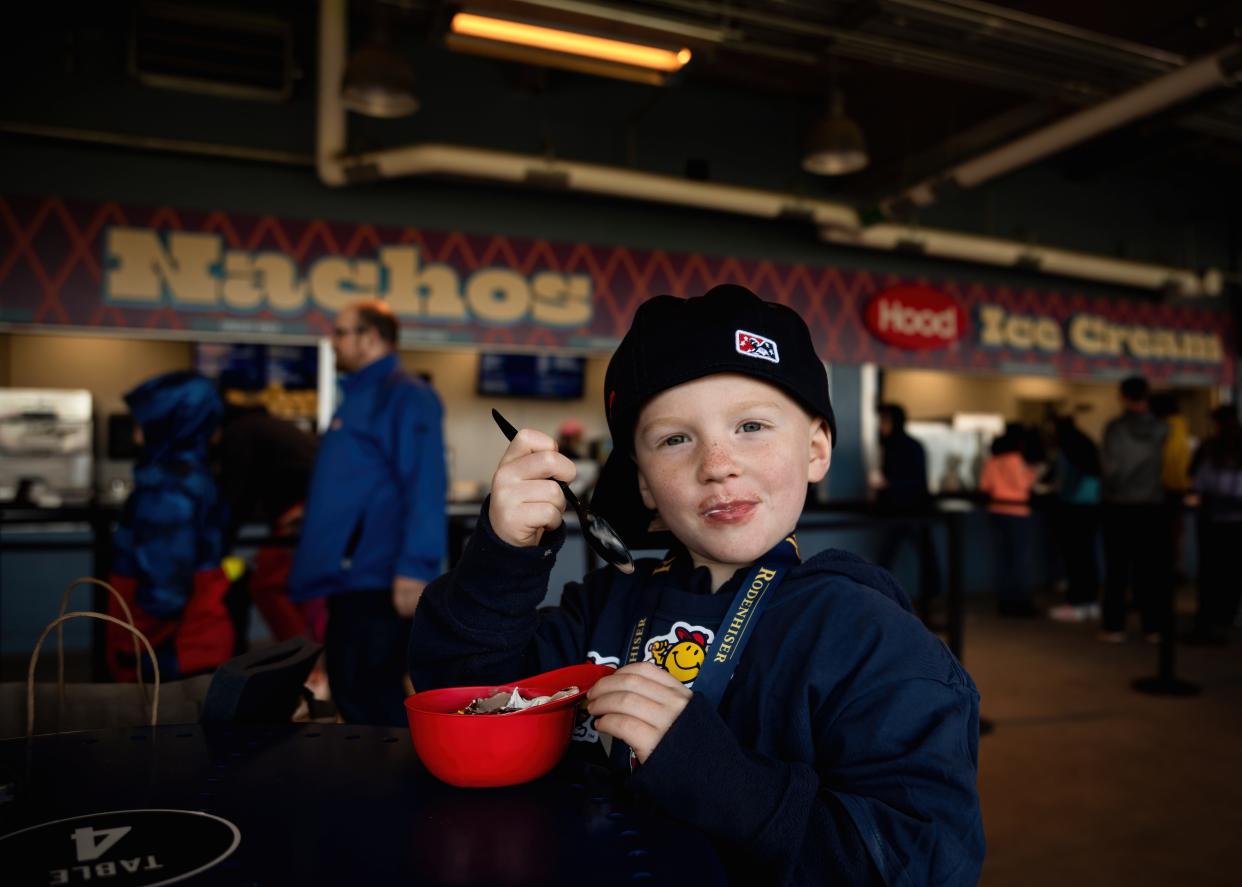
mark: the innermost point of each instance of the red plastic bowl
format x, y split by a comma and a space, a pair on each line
475, 751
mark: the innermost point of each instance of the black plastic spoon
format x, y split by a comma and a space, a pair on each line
601, 537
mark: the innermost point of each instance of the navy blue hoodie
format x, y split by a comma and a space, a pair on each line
844, 749
173, 523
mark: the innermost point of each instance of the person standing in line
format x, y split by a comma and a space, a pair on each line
1138, 533
1175, 472
1007, 479
264, 470
169, 541
902, 489
1176, 452
374, 530
1217, 478
1078, 526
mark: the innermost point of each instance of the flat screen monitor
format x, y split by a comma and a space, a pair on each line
541, 376
252, 367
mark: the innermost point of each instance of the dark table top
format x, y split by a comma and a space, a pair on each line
312, 804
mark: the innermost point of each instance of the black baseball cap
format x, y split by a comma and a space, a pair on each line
673, 340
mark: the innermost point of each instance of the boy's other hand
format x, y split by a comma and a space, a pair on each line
525, 502
637, 704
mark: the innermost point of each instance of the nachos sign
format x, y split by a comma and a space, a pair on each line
191, 273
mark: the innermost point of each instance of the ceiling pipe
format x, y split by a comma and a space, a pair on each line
838, 223
988, 19
1219, 69
1012, 254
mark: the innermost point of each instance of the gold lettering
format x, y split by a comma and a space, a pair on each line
1084, 334
142, 269
1140, 342
497, 295
1018, 332
337, 281
280, 281
241, 288
1048, 334
636, 642
993, 320
560, 300
432, 290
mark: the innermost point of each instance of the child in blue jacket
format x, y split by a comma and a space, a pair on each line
169, 541
793, 710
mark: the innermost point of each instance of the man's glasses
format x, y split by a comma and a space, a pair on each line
341, 332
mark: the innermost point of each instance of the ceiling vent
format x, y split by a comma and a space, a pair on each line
213, 52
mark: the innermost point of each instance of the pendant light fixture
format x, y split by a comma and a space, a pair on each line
835, 146
379, 79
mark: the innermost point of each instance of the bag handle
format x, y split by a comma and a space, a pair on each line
60, 640
34, 660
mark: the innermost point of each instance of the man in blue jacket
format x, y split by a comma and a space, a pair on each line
374, 531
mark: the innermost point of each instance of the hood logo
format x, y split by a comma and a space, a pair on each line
753, 345
915, 317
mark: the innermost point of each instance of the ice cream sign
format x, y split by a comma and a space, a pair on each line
918, 317
193, 271
1094, 335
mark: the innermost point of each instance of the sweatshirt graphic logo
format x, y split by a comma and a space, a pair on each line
755, 345
681, 652
584, 722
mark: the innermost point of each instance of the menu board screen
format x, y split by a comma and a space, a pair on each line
539, 376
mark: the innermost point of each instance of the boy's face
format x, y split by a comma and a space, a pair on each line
725, 460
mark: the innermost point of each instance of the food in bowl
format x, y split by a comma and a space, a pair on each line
473, 752
508, 702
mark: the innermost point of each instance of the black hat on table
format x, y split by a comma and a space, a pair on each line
672, 341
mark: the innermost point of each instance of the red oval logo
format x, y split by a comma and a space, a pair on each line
915, 317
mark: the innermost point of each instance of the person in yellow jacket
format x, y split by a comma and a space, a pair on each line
1175, 470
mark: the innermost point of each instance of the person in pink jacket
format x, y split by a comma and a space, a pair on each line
1007, 479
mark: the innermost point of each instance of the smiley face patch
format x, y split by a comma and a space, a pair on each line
681, 652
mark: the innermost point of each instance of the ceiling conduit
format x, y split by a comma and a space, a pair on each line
1220, 69
838, 223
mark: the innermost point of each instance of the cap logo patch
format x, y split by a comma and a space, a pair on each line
753, 345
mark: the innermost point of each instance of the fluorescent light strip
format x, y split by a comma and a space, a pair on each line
487, 28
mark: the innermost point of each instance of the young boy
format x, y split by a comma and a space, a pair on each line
841, 746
